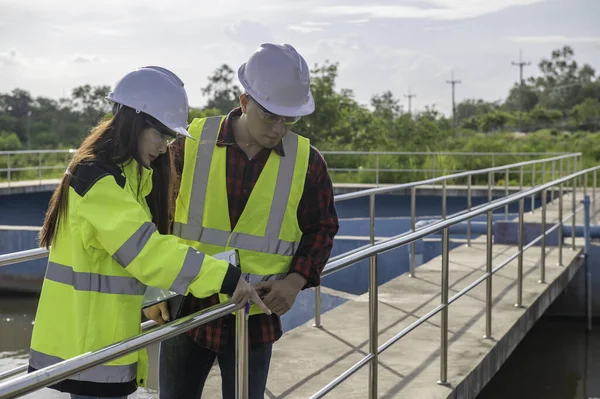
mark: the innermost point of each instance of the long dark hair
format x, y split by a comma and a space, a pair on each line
115, 141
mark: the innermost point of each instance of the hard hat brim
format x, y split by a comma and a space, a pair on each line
182, 131
305, 109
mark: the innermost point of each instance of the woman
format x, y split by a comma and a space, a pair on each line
107, 224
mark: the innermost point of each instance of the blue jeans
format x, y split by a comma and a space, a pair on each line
73, 396
184, 367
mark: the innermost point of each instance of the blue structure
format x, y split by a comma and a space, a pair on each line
392, 214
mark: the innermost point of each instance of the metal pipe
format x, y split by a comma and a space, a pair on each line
561, 237
373, 327
410, 328
49, 375
506, 177
427, 230
488, 269
553, 177
574, 220
23, 256
317, 323
444, 301
343, 377
377, 167
461, 175
372, 219
543, 259
521, 179
588, 268
490, 177
373, 310
17, 370
520, 261
469, 210
413, 220
594, 197
444, 210
241, 354
532, 186
543, 173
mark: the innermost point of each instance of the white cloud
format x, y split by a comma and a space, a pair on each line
85, 58
305, 29
11, 58
555, 39
357, 21
309, 27
249, 33
439, 10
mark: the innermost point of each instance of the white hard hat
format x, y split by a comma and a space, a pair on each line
157, 92
278, 78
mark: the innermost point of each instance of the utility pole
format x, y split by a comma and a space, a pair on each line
410, 96
520, 64
453, 83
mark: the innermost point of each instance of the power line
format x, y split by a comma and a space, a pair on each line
410, 96
520, 64
453, 83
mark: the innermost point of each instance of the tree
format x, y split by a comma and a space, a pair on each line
473, 107
386, 106
586, 115
9, 141
222, 93
530, 98
563, 82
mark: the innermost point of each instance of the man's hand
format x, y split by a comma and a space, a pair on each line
159, 313
280, 295
244, 292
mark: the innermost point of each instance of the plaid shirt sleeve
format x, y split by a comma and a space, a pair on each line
318, 221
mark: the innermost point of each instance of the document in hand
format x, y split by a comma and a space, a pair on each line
155, 295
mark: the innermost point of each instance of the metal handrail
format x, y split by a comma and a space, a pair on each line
495, 169
333, 152
377, 154
60, 371
50, 375
375, 249
443, 224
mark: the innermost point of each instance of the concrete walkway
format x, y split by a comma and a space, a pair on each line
308, 358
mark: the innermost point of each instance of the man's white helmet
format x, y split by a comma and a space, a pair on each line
157, 92
278, 78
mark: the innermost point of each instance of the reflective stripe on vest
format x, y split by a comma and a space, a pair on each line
103, 374
84, 281
270, 243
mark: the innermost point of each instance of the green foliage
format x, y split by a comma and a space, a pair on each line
560, 108
9, 142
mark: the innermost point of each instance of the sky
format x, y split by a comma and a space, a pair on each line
50, 47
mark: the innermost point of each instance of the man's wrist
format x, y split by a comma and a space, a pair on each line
297, 280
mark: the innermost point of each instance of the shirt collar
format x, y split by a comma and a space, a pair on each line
226, 136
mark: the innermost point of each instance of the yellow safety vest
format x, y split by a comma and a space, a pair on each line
267, 233
104, 255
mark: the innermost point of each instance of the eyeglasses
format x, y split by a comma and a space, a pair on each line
161, 134
271, 118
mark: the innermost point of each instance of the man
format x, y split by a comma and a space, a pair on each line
249, 182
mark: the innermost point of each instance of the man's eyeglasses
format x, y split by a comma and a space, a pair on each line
271, 118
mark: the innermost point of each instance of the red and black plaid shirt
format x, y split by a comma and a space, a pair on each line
317, 219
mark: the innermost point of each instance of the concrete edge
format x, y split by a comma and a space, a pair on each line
478, 377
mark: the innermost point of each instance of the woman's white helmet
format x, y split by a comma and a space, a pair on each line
278, 78
157, 92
